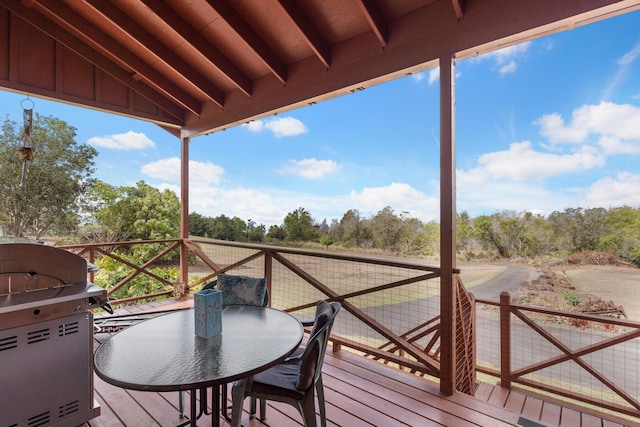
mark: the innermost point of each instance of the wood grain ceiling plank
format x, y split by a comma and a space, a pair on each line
313, 37
252, 40
216, 58
139, 35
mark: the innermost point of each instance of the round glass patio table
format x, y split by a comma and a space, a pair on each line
164, 354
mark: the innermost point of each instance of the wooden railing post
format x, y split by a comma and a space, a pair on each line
268, 271
92, 259
505, 340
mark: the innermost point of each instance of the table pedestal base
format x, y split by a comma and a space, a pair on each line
197, 412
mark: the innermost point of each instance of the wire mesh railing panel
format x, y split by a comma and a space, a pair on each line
224, 257
386, 295
589, 358
487, 337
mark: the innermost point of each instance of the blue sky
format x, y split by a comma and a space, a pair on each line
543, 126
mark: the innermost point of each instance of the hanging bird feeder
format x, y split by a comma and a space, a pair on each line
27, 150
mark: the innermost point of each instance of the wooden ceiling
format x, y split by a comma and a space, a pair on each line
199, 66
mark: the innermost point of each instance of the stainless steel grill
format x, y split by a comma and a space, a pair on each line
46, 337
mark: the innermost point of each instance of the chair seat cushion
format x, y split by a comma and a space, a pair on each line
280, 381
243, 290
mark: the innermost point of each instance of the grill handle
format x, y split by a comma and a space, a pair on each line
102, 303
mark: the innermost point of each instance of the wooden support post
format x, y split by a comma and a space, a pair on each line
505, 340
184, 215
447, 225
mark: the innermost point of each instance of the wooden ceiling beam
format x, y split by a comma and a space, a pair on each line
84, 50
216, 58
139, 35
376, 20
306, 28
458, 7
252, 40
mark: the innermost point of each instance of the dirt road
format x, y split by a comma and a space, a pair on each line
508, 280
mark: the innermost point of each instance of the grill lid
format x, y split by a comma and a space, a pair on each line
33, 274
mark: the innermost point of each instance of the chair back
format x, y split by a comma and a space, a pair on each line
237, 280
313, 356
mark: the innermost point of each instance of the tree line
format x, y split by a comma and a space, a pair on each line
61, 198
505, 234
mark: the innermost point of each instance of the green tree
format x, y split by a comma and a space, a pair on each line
223, 228
103, 222
352, 230
386, 228
430, 237
136, 213
299, 225
277, 232
578, 229
198, 225
58, 175
326, 241
487, 230
623, 237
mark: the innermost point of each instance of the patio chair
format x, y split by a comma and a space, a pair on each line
236, 290
295, 380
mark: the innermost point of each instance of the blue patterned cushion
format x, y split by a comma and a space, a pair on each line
243, 290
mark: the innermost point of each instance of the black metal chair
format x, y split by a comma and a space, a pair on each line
295, 381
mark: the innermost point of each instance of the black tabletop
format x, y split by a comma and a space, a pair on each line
164, 354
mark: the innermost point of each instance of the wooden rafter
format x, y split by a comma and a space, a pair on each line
458, 6
376, 20
137, 34
306, 28
249, 36
216, 58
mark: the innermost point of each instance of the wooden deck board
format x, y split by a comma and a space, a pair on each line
515, 401
358, 392
550, 413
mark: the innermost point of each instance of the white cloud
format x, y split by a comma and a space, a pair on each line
509, 68
311, 168
280, 126
624, 63
169, 170
434, 75
521, 162
419, 76
521, 196
517, 178
615, 126
614, 192
611, 145
553, 128
506, 59
270, 206
400, 196
122, 141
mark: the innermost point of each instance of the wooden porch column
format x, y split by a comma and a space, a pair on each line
184, 212
447, 224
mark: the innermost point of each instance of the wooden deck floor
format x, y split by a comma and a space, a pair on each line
358, 392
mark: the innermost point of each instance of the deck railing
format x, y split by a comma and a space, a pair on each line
390, 306
578, 357
391, 313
